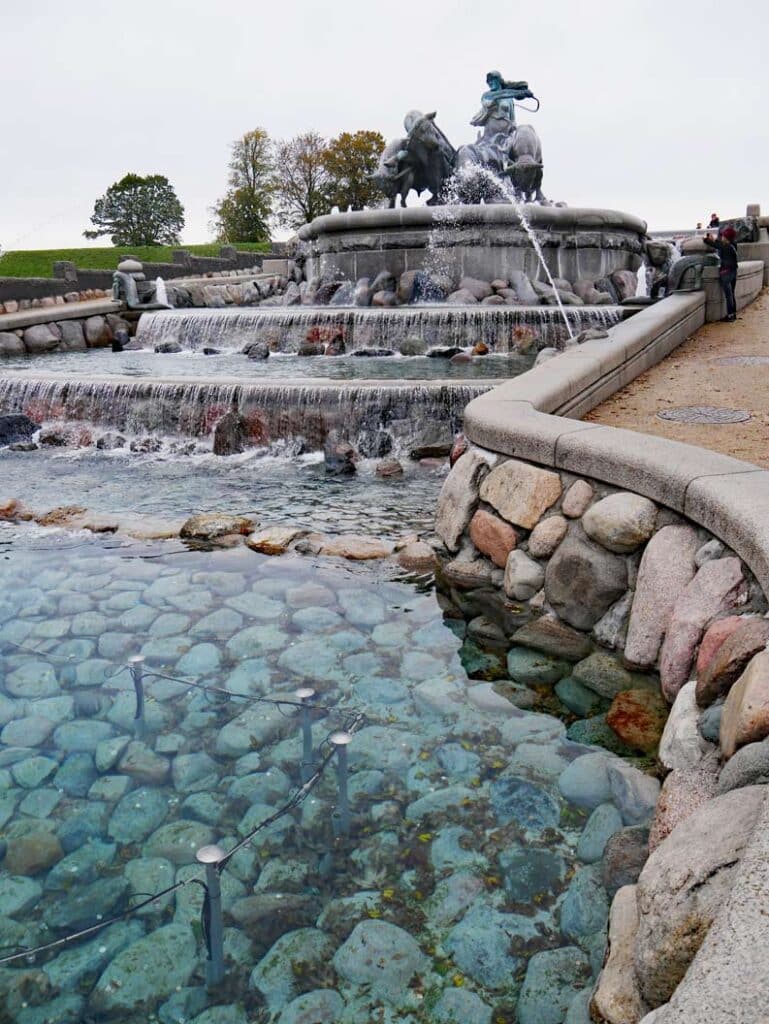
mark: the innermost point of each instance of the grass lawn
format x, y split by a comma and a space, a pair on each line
39, 262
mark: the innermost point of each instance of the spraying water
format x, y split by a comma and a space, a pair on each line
161, 295
642, 286
479, 185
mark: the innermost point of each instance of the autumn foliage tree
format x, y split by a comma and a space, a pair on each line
349, 160
138, 211
301, 179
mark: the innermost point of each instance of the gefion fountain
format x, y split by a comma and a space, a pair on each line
290, 780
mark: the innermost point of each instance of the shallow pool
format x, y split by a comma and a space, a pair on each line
468, 887
192, 364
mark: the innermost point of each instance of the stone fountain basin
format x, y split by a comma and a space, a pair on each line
486, 242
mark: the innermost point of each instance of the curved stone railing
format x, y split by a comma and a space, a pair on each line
484, 241
545, 218
529, 417
718, 848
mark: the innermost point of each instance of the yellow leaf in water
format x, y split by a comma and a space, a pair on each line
425, 837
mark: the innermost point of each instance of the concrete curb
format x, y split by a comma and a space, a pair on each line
530, 418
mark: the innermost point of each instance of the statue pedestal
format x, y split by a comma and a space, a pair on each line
484, 242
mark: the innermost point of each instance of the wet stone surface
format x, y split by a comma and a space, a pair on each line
474, 875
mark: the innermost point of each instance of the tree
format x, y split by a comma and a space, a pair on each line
350, 159
139, 211
243, 213
302, 181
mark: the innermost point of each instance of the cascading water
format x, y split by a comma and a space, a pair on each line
377, 417
473, 183
642, 286
161, 293
285, 330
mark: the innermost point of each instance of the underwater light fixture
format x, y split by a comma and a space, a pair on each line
136, 665
309, 765
213, 922
341, 816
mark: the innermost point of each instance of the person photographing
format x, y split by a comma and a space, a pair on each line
727, 272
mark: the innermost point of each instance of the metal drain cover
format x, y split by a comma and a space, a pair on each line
704, 414
742, 360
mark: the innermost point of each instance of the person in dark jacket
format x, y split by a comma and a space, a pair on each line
715, 221
727, 272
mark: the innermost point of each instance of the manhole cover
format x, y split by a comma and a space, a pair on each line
704, 414
742, 360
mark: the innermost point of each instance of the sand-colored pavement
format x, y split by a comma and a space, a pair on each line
694, 375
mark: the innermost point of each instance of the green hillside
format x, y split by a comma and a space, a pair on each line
39, 262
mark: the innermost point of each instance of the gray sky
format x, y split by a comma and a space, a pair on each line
655, 108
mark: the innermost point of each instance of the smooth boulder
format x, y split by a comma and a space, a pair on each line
683, 885
621, 522
583, 580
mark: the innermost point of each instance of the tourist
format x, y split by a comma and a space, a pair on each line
715, 221
699, 225
727, 272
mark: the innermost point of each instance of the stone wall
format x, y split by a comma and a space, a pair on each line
613, 594
485, 242
67, 277
73, 334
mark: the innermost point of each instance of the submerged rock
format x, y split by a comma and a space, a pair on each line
148, 970
553, 977
15, 428
382, 956
231, 434
339, 457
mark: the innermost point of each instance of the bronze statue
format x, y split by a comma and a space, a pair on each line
425, 159
497, 113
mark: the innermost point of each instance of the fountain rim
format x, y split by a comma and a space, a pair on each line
548, 218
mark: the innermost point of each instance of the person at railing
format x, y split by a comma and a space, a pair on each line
727, 271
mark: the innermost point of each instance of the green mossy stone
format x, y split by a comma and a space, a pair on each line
596, 732
533, 668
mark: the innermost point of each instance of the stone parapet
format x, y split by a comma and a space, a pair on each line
485, 242
751, 275
695, 929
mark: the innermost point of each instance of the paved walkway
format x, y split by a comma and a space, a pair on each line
694, 376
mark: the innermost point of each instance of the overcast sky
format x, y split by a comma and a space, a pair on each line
656, 108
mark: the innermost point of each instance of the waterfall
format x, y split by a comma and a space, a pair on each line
360, 412
481, 179
642, 286
285, 329
161, 294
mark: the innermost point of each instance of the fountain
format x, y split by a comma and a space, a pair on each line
321, 786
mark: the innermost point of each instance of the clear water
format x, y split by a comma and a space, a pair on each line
437, 848
193, 365
272, 489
